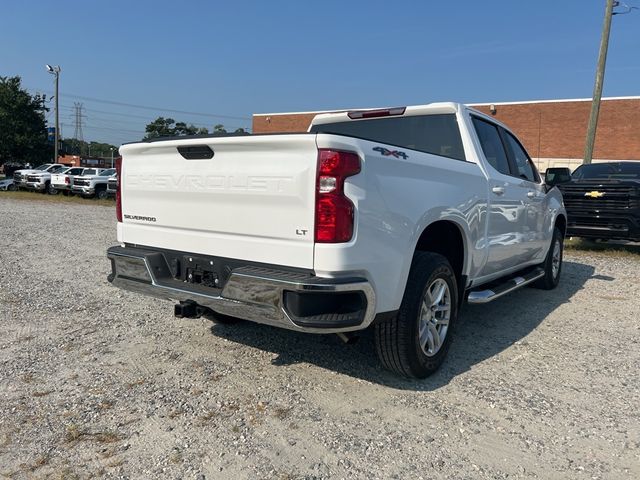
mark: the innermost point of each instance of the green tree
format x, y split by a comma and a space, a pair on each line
160, 127
168, 127
23, 134
219, 128
71, 146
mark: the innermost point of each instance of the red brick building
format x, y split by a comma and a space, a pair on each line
553, 131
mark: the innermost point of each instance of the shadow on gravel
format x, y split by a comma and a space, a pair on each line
483, 331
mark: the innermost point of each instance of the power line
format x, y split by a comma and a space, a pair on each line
115, 129
147, 107
143, 117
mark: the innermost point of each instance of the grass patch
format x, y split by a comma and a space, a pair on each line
46, 198
116, 463
175, 456
136, 383
42, 393
175, 413
37, 463
611, 249
281, 412
106, 404
74, 434
66, 473
206, 418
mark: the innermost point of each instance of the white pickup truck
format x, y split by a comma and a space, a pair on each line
388, 218
93, 184
36, 178
63, 180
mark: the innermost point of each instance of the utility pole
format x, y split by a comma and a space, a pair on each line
597, 89
602, 60
56, 71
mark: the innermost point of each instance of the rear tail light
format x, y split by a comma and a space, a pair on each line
334, 211
67, 180
118, 189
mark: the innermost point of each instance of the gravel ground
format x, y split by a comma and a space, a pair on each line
101, 382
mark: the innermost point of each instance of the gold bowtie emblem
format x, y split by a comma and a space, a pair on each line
594, 194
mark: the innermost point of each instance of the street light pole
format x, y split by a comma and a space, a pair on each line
111, 157
56, 71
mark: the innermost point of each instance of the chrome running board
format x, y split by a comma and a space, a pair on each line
497, 291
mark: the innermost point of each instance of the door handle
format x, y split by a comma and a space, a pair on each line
498, 190
531, 194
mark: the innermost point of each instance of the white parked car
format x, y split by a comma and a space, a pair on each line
7, 184
385, 218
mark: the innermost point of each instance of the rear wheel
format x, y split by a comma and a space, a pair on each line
553, 263
415, 342
12, 188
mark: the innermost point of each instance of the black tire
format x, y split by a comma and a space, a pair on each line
12, 188
51, 190
101, 194
551, 275
397, 340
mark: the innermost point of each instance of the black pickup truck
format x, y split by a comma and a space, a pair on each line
602, 200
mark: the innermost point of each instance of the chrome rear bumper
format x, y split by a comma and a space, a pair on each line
261, 295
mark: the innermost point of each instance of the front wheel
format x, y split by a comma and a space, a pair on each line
102, 194
552, 265
52, 190
415, 342
12, 188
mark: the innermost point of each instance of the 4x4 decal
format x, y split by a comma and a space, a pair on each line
390, 153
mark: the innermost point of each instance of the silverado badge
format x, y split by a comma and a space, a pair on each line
594, 194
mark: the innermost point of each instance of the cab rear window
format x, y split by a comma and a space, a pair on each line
437, 134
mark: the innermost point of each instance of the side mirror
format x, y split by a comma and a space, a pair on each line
554, 176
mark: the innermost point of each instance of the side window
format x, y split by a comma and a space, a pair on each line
522, 161
492, 145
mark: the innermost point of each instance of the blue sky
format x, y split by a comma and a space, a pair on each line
237, 58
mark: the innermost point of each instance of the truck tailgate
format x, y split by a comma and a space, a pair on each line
252, 200
57, 178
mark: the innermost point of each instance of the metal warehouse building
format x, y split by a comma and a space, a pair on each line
553, 131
